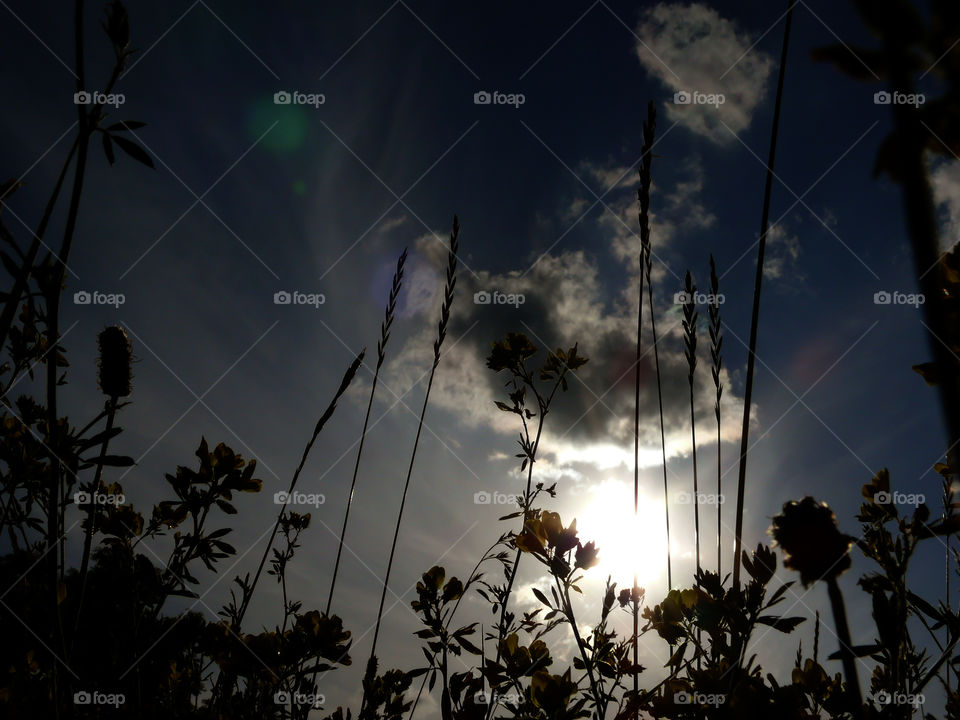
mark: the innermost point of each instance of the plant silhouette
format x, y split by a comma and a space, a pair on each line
116, 616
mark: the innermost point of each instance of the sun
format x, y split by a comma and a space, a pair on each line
628, 544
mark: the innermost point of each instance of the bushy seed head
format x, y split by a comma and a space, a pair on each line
115, 359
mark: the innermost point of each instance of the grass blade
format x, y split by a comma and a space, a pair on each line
441, 335
716, 344
381, 356
755, 315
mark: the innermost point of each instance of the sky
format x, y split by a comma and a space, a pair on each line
386, 137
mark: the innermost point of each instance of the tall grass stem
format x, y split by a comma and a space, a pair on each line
755, 313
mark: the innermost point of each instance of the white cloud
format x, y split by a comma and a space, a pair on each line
608, 177
391, 224
423, 280
680, 209
569, 299
690, 48
945, 178
783, 250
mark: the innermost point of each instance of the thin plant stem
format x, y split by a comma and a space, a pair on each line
816, 638
20, 283
328, 413
441, 335
755, 314
92, 512
636, 446
53, 338
381, 356
843, 634
225, 679
949, 608
543, 406
472, 578
649, 132
716, 343
643, 200
690, 341
87, 121
568, 611
663, 442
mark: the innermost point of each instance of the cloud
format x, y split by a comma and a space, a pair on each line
423, 280
609, 177
783, 250
945, 178
568, 299
681, 209
391, 224
691, 48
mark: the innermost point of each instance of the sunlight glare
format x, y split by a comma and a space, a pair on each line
626, 544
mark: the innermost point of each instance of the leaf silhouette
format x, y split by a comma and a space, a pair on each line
133, 150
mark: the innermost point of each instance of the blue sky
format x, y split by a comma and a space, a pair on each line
250, 198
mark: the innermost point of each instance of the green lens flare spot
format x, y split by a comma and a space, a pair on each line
282, 127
